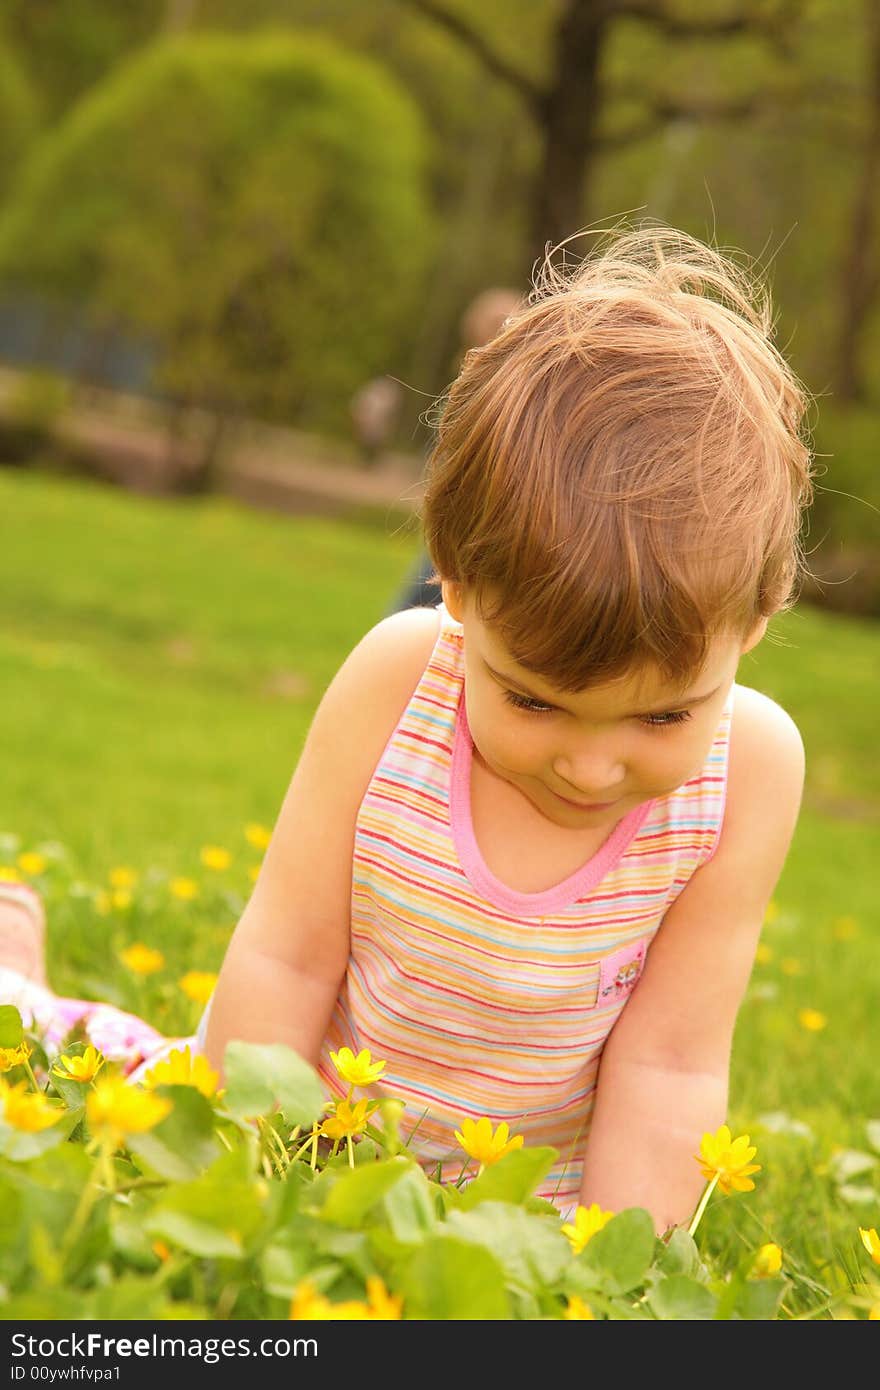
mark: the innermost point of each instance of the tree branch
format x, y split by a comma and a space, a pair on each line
776, 27
663, 110
493, 62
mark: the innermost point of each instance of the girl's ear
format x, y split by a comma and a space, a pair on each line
753, 638
453, 599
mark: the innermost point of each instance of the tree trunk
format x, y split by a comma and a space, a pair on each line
861, 270
569, 116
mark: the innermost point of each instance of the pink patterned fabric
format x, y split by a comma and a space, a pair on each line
122, 1037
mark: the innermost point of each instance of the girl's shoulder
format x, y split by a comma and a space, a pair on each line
766, 752
757, 717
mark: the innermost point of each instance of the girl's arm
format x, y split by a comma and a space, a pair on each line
663, 1078
285, 963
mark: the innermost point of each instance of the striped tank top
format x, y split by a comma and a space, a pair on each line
482, 1000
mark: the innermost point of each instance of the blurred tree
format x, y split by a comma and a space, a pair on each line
860, 281
255, 206
570, 105
18, 115
68, 45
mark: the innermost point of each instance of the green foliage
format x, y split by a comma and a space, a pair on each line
32, 411
240, 1229
846, 513
254, 207
18, 116
68, 45
117, 749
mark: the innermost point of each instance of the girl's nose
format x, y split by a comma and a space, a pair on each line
590, 776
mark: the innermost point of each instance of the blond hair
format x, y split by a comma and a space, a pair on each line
619, 475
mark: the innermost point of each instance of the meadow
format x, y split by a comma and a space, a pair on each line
159, 665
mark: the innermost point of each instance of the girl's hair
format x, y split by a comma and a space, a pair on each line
619, 475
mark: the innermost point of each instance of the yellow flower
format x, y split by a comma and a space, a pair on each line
382, 1305
587, 1221
772, 911
141, 959
307, 1304
198, 985
121, 898
789, 965
729, 1158
768, 1261
102, 902
254, 873
348, 1119
27, 1110
14, 1056
160, 1250
871, 1242
84, 1068
578, 1310
213, 857
32, 863
874, 1315
8, 874
122, 877
812, 1020
115, 1108
183, 888
480, 1143
257, 835
763, 953
356, 1071
845, 928
182, 1069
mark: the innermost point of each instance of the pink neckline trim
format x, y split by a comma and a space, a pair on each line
554, 899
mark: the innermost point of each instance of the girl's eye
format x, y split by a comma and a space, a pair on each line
525, 702
665, 721
653, 721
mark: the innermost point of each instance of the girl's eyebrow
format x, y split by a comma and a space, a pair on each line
688, 702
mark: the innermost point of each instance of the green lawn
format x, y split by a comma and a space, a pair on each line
159, 664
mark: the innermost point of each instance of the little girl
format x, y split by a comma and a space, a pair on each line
526, 853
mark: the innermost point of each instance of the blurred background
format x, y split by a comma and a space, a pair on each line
238, 244
242, 250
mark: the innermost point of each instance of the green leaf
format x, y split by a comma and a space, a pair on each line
409, 1207
357, 1191
183, 1144
45, 1305
21, 1145
283, 1266
512, 1179
760, 1298
872, 1130
622, 1251
680, 1298
680, 1255
13, 1233
11, 1029
531, 1250
454, 1279
128, 1235
217, 1213
193, 1233
259, 1076
130, 1298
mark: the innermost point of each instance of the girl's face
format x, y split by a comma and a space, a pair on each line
589, 758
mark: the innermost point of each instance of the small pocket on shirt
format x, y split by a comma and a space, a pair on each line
620, 972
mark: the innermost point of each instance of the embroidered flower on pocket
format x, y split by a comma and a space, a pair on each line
619, 972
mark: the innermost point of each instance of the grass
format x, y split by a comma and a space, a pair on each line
160, 663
